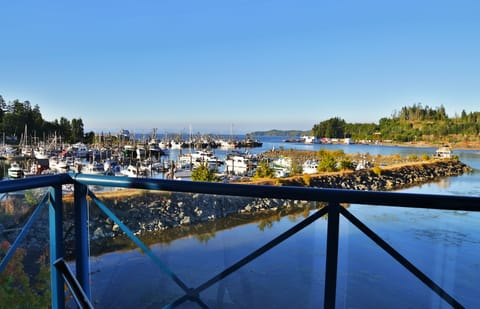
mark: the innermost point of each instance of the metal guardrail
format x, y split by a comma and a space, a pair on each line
80, 284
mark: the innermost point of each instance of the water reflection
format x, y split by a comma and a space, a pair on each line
205, 231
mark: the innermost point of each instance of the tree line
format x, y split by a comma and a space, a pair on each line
409, 124
15, 115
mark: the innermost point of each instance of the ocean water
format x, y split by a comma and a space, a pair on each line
443, 244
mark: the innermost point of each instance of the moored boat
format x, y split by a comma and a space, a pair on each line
15, 170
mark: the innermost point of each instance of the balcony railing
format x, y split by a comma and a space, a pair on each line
79, 283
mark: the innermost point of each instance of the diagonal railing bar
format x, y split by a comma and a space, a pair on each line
401, 259
24, 232
79, 295
258, 252
138, 242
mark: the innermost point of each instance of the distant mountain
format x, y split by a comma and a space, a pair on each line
280, 133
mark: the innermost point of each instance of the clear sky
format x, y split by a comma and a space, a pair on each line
245, 64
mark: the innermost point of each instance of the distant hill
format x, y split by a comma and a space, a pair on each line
280, 133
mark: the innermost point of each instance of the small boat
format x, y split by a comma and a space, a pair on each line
94, 168
15, 170
133, 171
444, 152
310, 167
238, 163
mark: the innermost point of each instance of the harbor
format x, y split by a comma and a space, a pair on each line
125, 154
168, 156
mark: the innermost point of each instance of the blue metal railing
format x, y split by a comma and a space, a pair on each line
80, 286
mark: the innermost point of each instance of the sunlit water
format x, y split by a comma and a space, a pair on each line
443, 244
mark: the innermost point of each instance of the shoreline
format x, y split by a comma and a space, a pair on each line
453, 146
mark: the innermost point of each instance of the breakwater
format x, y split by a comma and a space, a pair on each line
383, 179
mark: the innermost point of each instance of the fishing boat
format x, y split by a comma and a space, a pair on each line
444, 152
238, 163
94, 168
310, 167
15, 170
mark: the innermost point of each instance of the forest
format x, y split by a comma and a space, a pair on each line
410, 124
16, 116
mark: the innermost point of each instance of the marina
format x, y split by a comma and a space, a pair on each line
173, 157
135, 156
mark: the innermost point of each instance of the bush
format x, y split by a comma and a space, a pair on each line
203, 173
377, 171
346, 164
306, 179
327, 164
264, 170
17, 288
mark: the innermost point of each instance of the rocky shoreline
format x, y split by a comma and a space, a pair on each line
384, 179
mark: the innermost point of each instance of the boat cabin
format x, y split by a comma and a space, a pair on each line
443, 153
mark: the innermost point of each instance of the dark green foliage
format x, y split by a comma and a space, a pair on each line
264, 170
203, 173
410, 124
15, 115
17, 288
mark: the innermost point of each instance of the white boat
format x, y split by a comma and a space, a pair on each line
444, 152
238, 163
57, 164
94, 168
80, 150
40, 153
205, 157
310, 167
140, 152
176, 144
281, 172
309, 139
15, 170
226, 144
133, 171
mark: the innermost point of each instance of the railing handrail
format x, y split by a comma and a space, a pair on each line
35, 182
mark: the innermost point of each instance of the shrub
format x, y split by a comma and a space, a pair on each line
377, 171
327, 164
203, 173
346, 164
306, 179
264, 170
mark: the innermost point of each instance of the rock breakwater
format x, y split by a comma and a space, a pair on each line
383, 179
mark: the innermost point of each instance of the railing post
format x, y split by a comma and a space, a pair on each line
56, 245
332, 255
81, 237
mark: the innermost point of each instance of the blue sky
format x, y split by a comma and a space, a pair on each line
250, 65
